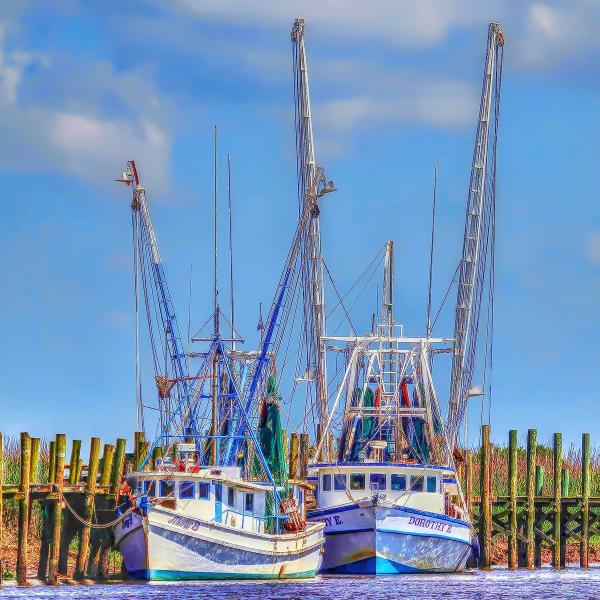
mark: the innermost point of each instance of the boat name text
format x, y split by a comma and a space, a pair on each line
429, 524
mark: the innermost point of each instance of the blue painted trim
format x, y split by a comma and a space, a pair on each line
327, 511
374, 464
350, 531
167, 575
434, 535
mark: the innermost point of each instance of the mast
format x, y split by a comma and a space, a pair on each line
310, 179
215, 370
479, 229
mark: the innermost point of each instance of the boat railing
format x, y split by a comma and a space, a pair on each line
278, 518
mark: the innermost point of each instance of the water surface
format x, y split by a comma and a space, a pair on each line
500, 584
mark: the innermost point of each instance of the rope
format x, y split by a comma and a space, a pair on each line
89, 523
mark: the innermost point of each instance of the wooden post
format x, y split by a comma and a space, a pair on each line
539, 479
83, 550
23, 533
557, 499
565, 481
107, 460
332, 452
486, 499
585, 502
52, 462
513, 557
303, 456
564, 487
74, 462
156, 454
293, 462
117, 468
61, 451
35, 460
284, 443
531, 457
469, 482
1, 504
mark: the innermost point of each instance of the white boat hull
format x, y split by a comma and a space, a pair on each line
167, 546
368, 539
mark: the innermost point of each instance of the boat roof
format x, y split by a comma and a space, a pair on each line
368, 465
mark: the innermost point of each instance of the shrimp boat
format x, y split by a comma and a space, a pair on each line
217, 505
387, 491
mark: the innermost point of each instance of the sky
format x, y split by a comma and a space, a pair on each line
86, 86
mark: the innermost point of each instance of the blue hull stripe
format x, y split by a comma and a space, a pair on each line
167, 575
430, 535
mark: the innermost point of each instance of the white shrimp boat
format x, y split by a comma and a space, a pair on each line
209, 524
217, 504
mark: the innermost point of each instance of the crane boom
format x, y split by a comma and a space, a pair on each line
479, 229
310, 177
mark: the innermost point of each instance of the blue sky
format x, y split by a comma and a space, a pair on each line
85, 86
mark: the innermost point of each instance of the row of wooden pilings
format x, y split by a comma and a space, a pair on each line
92, 490
99, 492
532, 521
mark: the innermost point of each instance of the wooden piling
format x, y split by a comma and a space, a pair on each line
107, 461
539, 480
61, 450
304, 449
83, 550
52, 462
293, 462
565, 481
557, 500
469, 482
530, 530
486, 499
74, 462
513, 557
1, 504
139, 445
585, 501
23, 532
156, 456
35, 460
117, 468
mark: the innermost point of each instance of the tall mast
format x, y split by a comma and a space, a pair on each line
387, 299
310, 179
479, 226
230, 254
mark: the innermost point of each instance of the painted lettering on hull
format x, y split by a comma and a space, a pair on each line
430, 524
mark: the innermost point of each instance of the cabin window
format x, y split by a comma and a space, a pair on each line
327, 483
150, 488
249, 504
377, 481
339, 482
398, 482
186, 490
230, 496
204, 490
218, 492
432, 484
167, 488
416, 483
357, 481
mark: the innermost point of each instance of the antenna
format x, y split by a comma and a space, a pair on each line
216, 292
435, 178
230, 253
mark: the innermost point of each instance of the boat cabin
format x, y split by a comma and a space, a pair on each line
425, 487
210, 493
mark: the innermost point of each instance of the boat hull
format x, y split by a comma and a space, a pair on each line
367, 539
165, 546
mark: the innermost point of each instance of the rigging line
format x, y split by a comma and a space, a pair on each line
356, 281
359, 294
338, 295
446, 295
189, 323
138, 379
435, 178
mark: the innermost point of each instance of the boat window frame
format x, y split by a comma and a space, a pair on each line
401, 476
166, 482
379, 486
326, 478
340, 477
150, 488
250, 510
230, 496
435, 484
361, 477
203, 490
414, 478
186, 484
